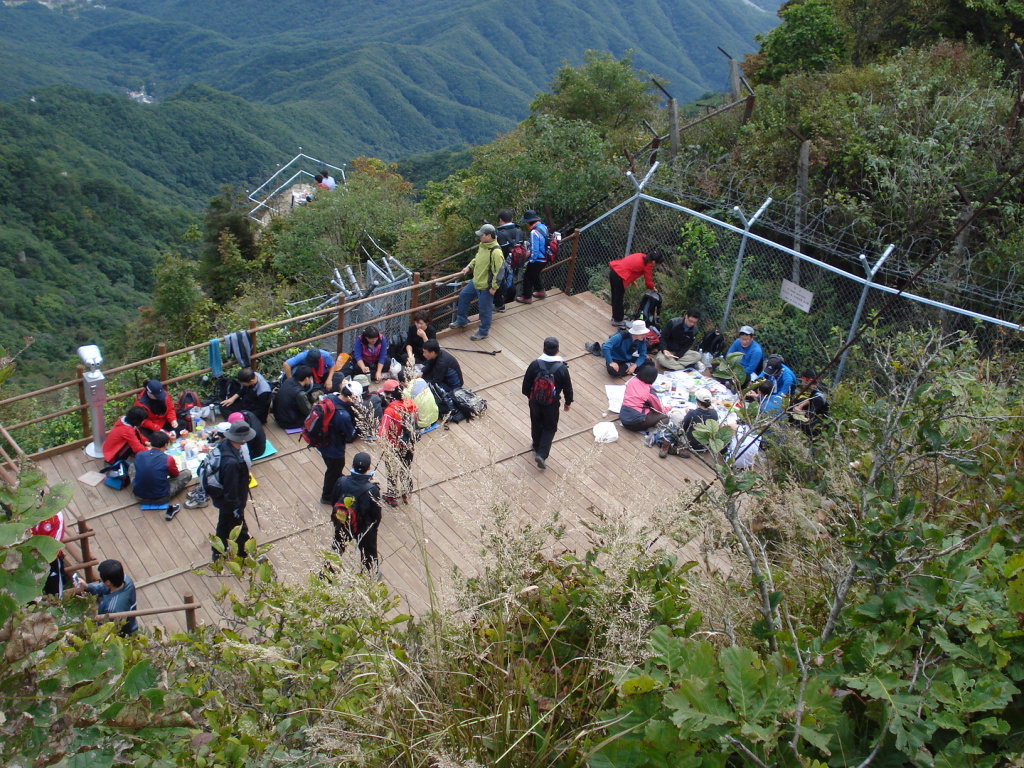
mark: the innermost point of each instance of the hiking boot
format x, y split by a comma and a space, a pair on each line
171, 512
593, 348
197, 502
541, 464
500, 309
477, 336
521, 300
405, 498
539, 295
664, 449
390, 500
618, 323
456, 325
683, 453
324, 500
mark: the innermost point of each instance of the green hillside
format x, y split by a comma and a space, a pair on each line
361, 78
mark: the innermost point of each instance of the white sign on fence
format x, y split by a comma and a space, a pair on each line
792, 293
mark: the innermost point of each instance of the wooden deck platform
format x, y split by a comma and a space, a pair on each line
458, 474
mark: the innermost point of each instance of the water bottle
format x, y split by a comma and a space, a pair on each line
706, 359
197, 419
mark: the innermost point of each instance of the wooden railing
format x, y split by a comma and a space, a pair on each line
8, 466
188, 605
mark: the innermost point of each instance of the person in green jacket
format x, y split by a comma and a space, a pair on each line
486, 267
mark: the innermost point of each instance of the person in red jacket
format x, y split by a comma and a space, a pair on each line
124, 439
160, 412
623, 273
398, 433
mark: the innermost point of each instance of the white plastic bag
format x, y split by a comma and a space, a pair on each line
605, 432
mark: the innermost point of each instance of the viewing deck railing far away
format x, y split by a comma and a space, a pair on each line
422, 295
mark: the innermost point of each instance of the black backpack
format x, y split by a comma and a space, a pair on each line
713, 343
650, 309
544, 390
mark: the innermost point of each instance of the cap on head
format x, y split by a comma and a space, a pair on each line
530, 216
703, 396
550, 346
638, 328
486, 229
155, 389
236, 416
361, 463
389, 386
774, 364
746, 329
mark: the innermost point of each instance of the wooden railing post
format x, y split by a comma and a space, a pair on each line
414, 295
339, 346
86, 544
161, 350
253, 325
190, 613
572, 263
84, 413
431, 299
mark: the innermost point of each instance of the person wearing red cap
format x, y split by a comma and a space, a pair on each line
398, 433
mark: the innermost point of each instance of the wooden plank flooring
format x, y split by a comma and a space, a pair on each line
458, 475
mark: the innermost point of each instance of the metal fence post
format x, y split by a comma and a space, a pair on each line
871, 272
636, 204
747, 224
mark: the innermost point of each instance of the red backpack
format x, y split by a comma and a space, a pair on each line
316, 429
543, 390
518, 255
551, 250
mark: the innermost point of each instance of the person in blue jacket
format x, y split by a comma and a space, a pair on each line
626, 350
753, 355
780, 375
533, 283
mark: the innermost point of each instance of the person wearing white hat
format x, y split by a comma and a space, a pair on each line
626, 349
753, 356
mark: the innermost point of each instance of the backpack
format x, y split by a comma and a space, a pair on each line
117, 476
440, 398
187, 400
544, 391
650, 309
551, 249
223, 388
468, 402
316, 429
518, 255
344, 513
713, 343
209, 474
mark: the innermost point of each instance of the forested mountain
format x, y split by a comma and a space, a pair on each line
385, 79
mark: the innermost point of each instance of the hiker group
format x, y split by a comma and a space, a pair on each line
392, 392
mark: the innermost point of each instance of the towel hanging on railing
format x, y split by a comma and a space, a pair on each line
238, 346
216, 365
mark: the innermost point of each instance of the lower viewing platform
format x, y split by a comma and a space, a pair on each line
459, 474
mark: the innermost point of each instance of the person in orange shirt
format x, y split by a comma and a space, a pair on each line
622, 273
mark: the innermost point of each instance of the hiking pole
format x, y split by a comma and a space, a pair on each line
478, 351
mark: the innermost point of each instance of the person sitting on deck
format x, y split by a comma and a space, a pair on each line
292, 405
160, 413
116, 593
370, 356
641, 409
420, 332
626, 349
678, 342
155, 475
124, 439
320, 363
253, 395
441, 367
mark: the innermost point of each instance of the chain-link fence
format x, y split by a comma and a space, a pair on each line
737, 279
